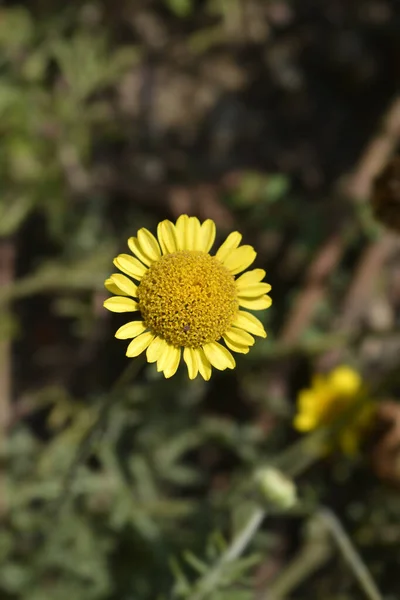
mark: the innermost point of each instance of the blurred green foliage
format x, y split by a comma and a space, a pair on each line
53, 114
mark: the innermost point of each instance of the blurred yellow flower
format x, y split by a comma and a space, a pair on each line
187, 298
330, 396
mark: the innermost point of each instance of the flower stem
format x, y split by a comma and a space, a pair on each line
350, 554
94, 432
235, 550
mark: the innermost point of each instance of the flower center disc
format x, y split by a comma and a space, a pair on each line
188, 298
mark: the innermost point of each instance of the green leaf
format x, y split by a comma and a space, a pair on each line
198, 565
13, 213
180, 8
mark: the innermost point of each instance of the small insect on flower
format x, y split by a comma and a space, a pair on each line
187, 298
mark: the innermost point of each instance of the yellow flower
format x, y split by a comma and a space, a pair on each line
188, 298
330, 396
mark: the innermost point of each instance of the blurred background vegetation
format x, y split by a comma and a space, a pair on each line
268, 116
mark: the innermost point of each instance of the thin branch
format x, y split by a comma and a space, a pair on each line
312, 556
376, 155
314, 288
350, 554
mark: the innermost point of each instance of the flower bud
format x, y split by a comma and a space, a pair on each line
276, 488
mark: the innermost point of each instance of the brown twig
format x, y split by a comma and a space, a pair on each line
357, 186
376, 155
364, 281
314, 289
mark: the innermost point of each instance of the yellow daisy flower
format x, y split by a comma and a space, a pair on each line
187, 298
330, 396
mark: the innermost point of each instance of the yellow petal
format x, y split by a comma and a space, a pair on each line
250, 323
135, 248
113, 289
148, 244
125, 284
155, 349
219, 356
165, 357
120, 304
304, 422
232, 241
167, 237
173, 363
319, 381
308, 401
344, 381
238, 340
239, 259
249, 278
203, 364
193, 234
238, 336
254, 291
207, 235
180, 229
130, 330
236, 347
256, 303
131, 266
139, 344
190, 358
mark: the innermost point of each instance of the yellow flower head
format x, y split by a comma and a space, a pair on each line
330, 396
188, 298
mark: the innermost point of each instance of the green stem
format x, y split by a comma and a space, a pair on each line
88, 440
239, 544
292, 462
350, 554
311, 557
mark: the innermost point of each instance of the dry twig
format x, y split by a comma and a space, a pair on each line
357, 187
